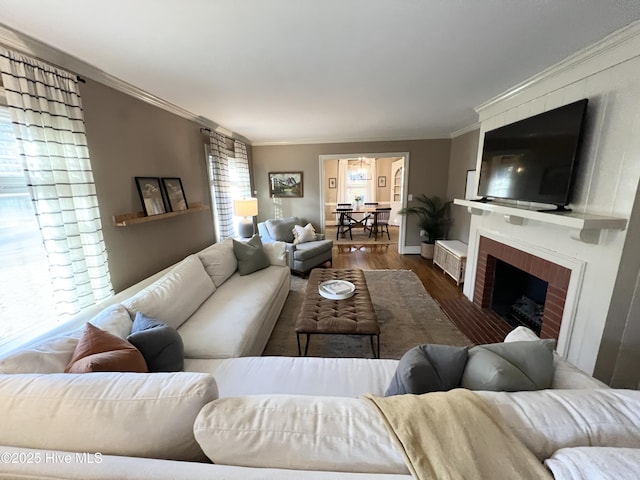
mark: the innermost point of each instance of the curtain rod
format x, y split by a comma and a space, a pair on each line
207, 129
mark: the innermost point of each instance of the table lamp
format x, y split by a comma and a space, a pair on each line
246, 208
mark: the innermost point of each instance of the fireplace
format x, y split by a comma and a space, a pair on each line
518, 296
545, 284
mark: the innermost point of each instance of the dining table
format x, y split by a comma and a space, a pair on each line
348, 215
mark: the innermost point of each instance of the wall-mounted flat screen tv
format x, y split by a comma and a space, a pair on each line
534, 159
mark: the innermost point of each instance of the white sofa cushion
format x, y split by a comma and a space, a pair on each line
47, 356
298, 432
115, 320
277, 253
595, 463
547, 420
176, 295
140, 415
232, 320
334, 377
51, 355
219, 261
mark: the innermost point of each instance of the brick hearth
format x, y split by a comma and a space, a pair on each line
555, 275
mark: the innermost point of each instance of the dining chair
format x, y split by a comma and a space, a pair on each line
381, 222
367, 220
344, 220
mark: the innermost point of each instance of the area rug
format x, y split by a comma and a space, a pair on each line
361, 237
407, 315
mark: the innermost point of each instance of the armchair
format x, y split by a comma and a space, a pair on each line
302, 256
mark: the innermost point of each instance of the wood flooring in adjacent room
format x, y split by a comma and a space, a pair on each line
480, 325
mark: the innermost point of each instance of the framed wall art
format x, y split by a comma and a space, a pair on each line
150, 195
176, 199
285, 184
382, 181
332, 182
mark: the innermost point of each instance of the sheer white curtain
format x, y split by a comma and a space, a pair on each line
372, 183
220, 184
241, 167
343, 175
229, 178
46, 112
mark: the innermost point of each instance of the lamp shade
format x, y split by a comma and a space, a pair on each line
245, 207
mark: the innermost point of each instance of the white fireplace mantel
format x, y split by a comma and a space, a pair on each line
583, 226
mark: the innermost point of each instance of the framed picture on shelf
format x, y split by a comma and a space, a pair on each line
382, 181
150, 195
332, 182
175, 194
285, 184
470, 185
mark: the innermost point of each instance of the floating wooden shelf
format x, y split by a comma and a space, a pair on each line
127, 219
588, 226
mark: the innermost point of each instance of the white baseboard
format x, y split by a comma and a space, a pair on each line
411, 250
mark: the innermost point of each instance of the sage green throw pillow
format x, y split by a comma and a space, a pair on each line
510, 367
251, 256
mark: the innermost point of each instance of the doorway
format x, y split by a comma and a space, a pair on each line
370, 177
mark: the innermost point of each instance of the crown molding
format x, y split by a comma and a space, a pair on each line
609, 46
20, 42
324, 141
467, 129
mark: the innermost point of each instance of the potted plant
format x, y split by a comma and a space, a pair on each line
433, 219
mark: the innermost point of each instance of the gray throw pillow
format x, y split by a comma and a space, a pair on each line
280, 229
428, 368
160, 345
510, 367
251, 256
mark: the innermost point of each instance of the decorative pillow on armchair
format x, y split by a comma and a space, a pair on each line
280, 229
303, 234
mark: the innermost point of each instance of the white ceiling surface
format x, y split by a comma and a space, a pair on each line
300, 71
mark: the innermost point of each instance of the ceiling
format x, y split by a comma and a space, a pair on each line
315, 71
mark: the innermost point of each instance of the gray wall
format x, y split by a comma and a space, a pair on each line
464, 152
428, 172
128, 138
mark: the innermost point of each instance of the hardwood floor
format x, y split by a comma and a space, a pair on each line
480, 325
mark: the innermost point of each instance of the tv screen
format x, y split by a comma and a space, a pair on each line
533, 159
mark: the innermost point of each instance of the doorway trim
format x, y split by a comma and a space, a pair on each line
402, 248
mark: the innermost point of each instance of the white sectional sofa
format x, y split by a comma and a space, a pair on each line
255, 417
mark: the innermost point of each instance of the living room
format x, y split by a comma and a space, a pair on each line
133, 133
127, 137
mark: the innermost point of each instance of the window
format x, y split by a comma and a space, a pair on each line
358, 179
229, 179
26, 294
44, 105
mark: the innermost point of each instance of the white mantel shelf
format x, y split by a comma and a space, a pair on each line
588, 226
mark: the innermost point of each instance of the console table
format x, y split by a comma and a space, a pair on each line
451, 256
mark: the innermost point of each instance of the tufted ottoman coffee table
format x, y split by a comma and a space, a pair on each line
351, 316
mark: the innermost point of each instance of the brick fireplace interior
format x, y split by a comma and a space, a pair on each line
505, 274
